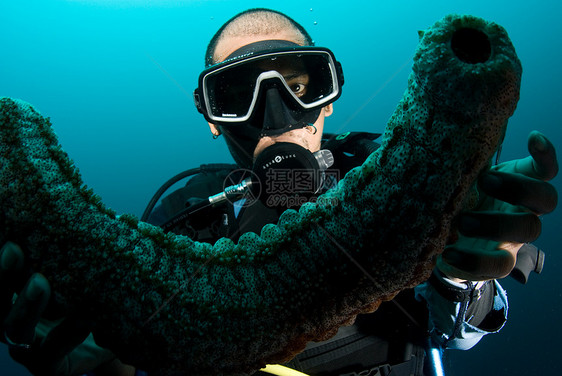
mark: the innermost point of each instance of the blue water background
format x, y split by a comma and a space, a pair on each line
116, 78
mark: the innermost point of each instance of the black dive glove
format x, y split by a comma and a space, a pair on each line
513, 196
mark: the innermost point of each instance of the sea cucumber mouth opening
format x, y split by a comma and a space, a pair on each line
471, 46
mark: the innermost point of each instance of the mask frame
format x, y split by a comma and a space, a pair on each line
205, 95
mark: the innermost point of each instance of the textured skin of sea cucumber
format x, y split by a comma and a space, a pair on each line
175, 306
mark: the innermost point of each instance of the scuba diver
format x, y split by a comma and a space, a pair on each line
267, 90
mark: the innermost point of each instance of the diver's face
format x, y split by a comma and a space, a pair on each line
308, 137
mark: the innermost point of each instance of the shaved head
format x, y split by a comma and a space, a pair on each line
258, 23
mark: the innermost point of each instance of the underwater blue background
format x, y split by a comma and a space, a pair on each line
116, 78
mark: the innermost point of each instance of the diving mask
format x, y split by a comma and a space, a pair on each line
308, 78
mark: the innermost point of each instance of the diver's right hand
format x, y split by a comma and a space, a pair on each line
61, 347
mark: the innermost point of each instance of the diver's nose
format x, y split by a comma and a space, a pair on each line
277, 115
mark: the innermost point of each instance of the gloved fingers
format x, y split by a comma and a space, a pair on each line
501, 227
11, 259
11, 266
26, 312
64, 338
490, 261
535, 195
63, 348
69, 349
542, 164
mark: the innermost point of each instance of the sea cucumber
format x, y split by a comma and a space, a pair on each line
174, 306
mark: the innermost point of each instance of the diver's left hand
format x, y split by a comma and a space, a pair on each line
513, 196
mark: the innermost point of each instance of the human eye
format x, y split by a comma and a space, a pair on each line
298, 84
299, 89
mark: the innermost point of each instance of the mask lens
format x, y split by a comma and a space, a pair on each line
320, 78
230, 92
